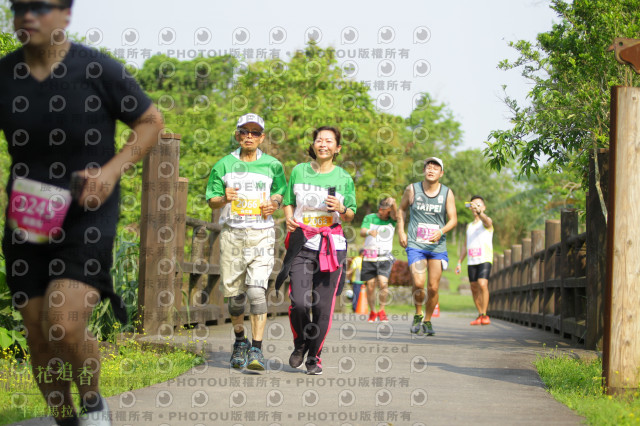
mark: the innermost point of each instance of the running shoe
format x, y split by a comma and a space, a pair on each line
427, 328
373, 316
485, 320
382, 316
239, 354
314, 367
296, 358
477, 321
417, 324
96, 418
255, 360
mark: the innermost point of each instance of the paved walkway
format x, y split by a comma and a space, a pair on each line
374, 374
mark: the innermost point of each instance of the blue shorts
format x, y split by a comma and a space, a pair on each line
415, 255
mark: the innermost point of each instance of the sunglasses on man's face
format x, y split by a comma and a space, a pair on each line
245, 132
37, 8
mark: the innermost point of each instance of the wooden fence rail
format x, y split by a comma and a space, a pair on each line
173, 291
543, 281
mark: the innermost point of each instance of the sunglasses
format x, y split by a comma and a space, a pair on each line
37, 8
245, 132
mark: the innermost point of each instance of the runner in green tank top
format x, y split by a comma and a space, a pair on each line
429, 203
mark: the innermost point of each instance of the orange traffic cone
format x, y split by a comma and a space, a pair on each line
436, 311
363, 305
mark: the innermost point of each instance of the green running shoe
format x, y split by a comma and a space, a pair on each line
417, 324
427, 328
255, 360
239, 354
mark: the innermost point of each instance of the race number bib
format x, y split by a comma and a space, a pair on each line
475, 252
37, 208
317, 219
425, 232
246, 207
370, 254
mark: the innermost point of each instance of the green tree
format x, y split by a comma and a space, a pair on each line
310, 90
192, 96
571, 74
516, 205
201, 99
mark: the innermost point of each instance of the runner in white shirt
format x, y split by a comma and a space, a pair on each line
479, 247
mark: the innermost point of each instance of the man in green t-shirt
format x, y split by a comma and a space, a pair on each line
248, 186
377, 261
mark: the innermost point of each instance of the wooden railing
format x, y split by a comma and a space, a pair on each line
201, 275
555, 279
541, 282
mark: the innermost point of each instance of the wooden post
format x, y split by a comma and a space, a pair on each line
537, 244
516, 267
516, 257
200, 266
568, 229
496, 283
526, 279
156, 297
596, 250
506, 276
501, 280
216, 298
621, 356
181, 229
551, 287
493, 280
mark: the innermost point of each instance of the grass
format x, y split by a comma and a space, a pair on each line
577, 383
125, 367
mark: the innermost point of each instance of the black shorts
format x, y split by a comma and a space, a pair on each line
31, 267
373, 269
476, 272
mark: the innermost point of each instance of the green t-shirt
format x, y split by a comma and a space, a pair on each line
255, 182
307, 192
378, 247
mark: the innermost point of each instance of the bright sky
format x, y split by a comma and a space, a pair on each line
402, 48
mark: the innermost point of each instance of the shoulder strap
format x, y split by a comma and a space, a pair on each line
416, 186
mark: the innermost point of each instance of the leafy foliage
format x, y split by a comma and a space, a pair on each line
11, 338
8, 43
571, 74
202, 99
103, 323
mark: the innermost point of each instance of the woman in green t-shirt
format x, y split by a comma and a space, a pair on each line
320, 197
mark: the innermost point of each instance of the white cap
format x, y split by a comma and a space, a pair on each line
250, 118
436, 159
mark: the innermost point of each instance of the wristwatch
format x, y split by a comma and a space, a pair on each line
345, 210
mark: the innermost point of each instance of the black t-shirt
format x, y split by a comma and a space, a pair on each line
67, 122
